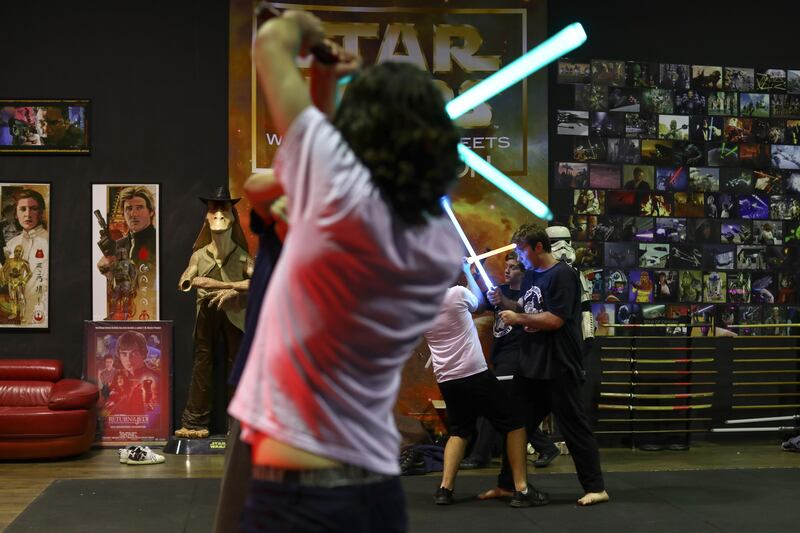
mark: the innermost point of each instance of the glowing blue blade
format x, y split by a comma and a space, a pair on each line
470, 250
556, 46
504, 183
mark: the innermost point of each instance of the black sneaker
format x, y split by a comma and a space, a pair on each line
545, 459
531, 498
443, 496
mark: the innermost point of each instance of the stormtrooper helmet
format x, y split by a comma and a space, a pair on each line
561, 243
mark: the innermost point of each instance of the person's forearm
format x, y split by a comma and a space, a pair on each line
475, 289
509, 304
542, 321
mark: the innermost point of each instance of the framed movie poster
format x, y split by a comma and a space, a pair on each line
24, 255
125, 252
54, 126
131, 363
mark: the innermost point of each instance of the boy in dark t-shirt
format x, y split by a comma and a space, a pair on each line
551, 371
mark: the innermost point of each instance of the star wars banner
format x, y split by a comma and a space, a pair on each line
131, 363
24, 255
125, 252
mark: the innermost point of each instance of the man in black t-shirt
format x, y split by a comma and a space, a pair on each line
551, 368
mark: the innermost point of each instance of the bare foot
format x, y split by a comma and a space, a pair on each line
491, 494
593, 498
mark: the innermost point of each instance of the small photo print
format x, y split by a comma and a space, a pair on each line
751, 258
771, 80
641, 74
606, 72
616, 282
739, 288
641, 286
603, 316
714, 287
719, 257
591, 97
570, 72
625, 100
754, 105
786, 105
657, 101
589, 202
712, 205
776, 256
792, 133
672, 179
603, 176
722, 103
703, 231
688, 154
653, 255
571, 175
629, 313
690, 102
793, 81
754, 206
595, 278
739, 130
620, 255
705, 179
637, 177
666, 286
754, 155
782, 208
689, 204
686, 256
672, 76
587, 254
589, 149
722, 154
763, 287
792, 183
644, 229
749, 314
671, 230
739, 79
706, 77
736, 180
768, 181
704, 129
603, 124
785, 156
621, 202
691, 286
736, 232
641, 126
655, 204
572, 122
623, 150
727, 205
658, 152
673, 127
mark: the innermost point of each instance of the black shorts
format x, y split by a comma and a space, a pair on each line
478, 395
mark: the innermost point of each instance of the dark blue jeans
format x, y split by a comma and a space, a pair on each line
355, 508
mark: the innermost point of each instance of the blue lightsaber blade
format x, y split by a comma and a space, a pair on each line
482, 271
504, 183
545, 53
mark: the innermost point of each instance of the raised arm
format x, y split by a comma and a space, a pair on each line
474, 288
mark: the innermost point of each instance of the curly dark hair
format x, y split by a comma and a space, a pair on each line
392, 116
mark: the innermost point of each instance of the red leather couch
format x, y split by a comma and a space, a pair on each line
43, 416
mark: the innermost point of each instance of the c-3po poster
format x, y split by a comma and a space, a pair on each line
24, 255
125, 252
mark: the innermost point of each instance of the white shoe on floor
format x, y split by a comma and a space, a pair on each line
143, 455
123, 454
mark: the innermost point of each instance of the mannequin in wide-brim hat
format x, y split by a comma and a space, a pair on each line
220, 268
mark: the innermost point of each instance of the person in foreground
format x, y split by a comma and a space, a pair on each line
362, 274
551, 370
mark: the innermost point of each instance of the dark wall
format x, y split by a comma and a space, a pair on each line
157, 75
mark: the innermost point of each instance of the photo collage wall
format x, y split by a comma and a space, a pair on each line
681, 187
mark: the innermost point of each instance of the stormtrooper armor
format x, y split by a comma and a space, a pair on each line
561, 248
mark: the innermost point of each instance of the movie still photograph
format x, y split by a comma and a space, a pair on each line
715, 287
751, 257
604, 314
771, 80
653, 255
726, 317
793, 81
786, 156
640, 74
604, 124
672, 230
604, 229
674, 76
727, 205
691, 286
666, 286
754, 105
787, 288
570, 122
621, 203
688, 154
44, 126
578, 226
624, 100
704, 128
703, 179
736, 232
776, 131
670, 179
706, 77
605, 72
722, 103
690, 102
623, 150
776, 257
719, 257
604, 176
749, 314
644, 229
703, 231
738, 130
641, 286
587, 254
620, 255
657, 101
736, 180
655, 204
594, 276
738, 79
791, 232
689, 204
641, 126
591, 97
768, 232
785, 105
685, 256
754, 206
571, 72
570, 175
791, 183
768, 181
589, 149
658, 152
753, 155
637, 177
654, 313
777, 315
712, 205
783, 208
588, 202
629, 313
791, 135
763, 287
673, 127
616, 285
722, 154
